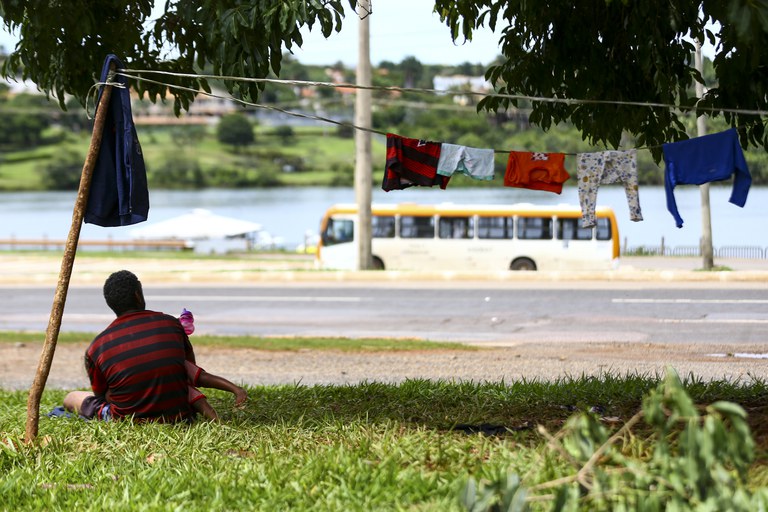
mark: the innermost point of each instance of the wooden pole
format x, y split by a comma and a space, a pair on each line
68, 261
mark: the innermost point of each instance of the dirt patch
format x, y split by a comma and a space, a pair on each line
18, 363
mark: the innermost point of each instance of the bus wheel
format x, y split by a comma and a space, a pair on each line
377, 263
522, 264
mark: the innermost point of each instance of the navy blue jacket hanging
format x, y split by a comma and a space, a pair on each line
704, 159
119, 194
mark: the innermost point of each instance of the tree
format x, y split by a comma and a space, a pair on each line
412, 70
23, 120
60, 49
235, 129
469, 69
286, 134
63, 172
178, 170
606, 51
623, 51
188, 135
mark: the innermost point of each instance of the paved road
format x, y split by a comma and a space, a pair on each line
481, 313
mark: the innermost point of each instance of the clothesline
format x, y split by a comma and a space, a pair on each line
288, 112
251, 104
543, 99
122, 72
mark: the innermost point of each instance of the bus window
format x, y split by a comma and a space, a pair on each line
534, 228
383, 226
456, 227
570, 229
603, 228
412, 226
494, 227
338, 231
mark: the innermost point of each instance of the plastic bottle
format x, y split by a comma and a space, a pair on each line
187, 321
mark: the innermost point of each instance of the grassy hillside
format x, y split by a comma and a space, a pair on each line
192, 157
173, 159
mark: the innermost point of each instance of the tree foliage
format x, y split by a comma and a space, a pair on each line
62, 44
64, 172
236, 130
623, 51
23, 119
605, 51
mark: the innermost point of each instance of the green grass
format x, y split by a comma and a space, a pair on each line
370, 446
716, 268
264, 343
32, 337
19, 169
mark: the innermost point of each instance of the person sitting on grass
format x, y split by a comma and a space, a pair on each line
142, 365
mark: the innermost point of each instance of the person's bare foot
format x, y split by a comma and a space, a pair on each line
241, 396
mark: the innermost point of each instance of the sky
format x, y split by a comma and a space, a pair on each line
400, 29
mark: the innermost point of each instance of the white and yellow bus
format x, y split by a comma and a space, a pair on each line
471, 238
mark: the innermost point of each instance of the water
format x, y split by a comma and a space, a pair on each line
291, 213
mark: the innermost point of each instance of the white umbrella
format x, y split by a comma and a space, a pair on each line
199, 224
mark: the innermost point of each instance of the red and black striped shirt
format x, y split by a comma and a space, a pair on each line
138, 364
412, 162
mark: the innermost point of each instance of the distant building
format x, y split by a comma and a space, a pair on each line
205, 110
461, 83
22, 87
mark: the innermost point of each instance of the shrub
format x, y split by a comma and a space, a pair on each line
64, 172
286, 134
235, 130
178, 171
689, 461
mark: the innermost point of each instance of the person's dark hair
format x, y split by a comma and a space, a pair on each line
122, 291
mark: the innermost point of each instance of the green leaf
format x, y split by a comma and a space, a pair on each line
729, 409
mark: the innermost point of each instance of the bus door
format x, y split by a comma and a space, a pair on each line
417, 235
454, 248
384, 245
535, 241
606, 248
494, 246
577, 243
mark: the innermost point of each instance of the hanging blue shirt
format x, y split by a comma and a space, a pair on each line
119, 194
704, 159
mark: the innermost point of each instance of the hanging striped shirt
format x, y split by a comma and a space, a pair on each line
138, 364
411, 162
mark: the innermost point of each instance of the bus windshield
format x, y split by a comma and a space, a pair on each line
338, 231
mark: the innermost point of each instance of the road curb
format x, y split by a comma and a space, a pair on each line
44, 271
245, 277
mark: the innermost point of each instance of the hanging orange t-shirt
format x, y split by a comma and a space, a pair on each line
536, 171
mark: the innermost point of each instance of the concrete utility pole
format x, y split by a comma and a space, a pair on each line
363, 166
707, 252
